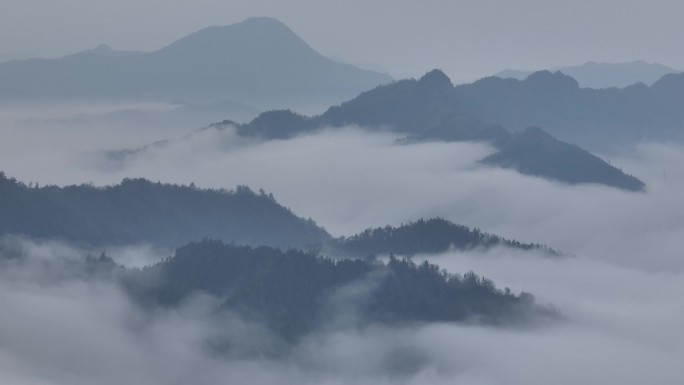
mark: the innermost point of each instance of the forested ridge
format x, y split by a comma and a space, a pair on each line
141, 211
295, 292
429, 236
138, 211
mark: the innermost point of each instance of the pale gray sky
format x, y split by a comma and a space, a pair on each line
467, 39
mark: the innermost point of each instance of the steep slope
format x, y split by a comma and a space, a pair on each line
596, 119
295, 293
432, 109
139, 211
258, 61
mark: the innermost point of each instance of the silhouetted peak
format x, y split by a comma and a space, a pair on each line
534, 136
436, 79
278, 116
536, 132
548, 79
261, 31
102, 49
263, 21
105, 50
263, 25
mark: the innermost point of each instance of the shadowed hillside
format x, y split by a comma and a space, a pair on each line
295, 293
140, 211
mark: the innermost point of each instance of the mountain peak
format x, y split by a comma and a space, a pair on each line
102, 48
556, 79
534, 130
437, 79
262, 20
266, 32
263, 24
105, 50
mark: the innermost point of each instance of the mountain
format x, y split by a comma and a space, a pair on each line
605, 75
598, 119
431, 108
430, 236
259, 61
420, 109
295, 293
139, 211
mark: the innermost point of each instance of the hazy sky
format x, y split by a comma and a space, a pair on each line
467, 39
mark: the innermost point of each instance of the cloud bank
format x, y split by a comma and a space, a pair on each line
619, 294
622, 326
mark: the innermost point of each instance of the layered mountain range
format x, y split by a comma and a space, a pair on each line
138, 211
431, 108
598, 119
604, 75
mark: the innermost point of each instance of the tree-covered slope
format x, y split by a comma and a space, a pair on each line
139, 211
294, 292
430, 236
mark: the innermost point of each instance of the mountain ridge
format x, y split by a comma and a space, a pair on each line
597, 119
139, 211
431, 108
604, 75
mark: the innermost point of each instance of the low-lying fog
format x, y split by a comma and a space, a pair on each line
620, 293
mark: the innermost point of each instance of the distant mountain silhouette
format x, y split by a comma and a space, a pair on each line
295, 293
105, 50
259, 61
432, 109
605, 75
596, 119
139, 211
421, 109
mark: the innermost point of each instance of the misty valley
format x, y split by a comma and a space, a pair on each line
236, 207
